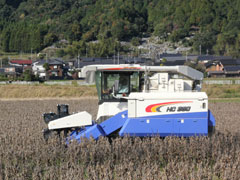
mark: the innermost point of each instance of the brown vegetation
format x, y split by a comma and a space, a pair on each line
25, 155
45, 91
76, 91
222, 91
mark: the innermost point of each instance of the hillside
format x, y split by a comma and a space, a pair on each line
27, 25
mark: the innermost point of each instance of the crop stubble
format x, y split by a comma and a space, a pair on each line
25, 155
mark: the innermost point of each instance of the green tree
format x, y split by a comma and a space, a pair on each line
49, 39
5, 40
27, 75
135, 41
196, 65
5, 61
47, 68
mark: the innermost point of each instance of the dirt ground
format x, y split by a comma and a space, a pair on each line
25, 155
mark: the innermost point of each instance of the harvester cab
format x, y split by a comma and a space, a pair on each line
141, 101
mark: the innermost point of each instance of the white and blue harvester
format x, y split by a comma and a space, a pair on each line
140, 101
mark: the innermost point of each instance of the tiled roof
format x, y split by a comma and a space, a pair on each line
175, 63
21, 62
226, 62
231, 68
1, 70
50, 62
164, 55
211, 57
215, 72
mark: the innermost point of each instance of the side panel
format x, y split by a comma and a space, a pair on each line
211, 119
211, 122
147, 127
186, 124
190, 127
169, 107
94, 131
111, 108
132, 108
74, 120
114, 123
104, 129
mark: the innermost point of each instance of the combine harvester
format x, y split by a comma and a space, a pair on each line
140, 101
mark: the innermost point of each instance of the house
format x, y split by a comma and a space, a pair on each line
136, 60
38, 69
21, 63
214, 66
173, 59
2, 71
232, 71
57, 69
227, 67
13, 71
75, 65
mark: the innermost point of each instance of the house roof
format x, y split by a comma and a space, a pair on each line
11, 66
175, 58
106, 61
238, 61
228, 69
134, 60
2, 70
164, 55
227, 62
50, 62
21, 62
212, 58
181, 58
175, 63
215, 72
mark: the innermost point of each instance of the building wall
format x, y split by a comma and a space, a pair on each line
217, 67
57, 68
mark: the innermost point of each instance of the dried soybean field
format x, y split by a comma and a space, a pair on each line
25, 155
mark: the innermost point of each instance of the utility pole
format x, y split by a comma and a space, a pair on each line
200, 49
78, 61
114, 54
118, 57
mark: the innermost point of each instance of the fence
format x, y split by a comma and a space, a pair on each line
233, 81
20, 82
69, 82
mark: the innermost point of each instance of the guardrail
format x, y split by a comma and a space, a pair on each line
78, 82
20, 82
232, 81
